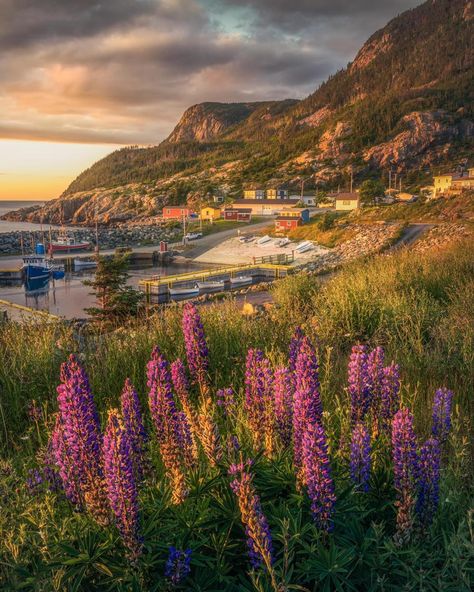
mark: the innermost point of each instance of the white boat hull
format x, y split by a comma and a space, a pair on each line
79, 264
240, 281
210, 285
184, 292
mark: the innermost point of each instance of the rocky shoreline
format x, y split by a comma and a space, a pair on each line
109, 238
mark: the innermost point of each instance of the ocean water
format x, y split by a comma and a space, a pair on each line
9, 206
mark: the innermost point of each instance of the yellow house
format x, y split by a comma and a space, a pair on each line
210, 213
459, 181
442, 183
254, 194
347, 201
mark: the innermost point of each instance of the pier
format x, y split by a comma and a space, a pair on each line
260, 272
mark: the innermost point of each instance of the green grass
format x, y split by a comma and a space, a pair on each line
418, 307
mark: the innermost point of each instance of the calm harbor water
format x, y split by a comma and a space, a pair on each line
9, 206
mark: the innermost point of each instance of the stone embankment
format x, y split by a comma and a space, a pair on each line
367, 240
109, 238
442, 234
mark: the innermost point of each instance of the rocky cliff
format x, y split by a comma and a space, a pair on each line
406, 102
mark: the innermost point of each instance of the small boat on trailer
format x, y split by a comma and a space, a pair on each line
184, 292
211, 286
240, 280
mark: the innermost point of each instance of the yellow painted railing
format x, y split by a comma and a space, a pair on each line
29, 310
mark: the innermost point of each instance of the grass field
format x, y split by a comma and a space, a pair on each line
417, 307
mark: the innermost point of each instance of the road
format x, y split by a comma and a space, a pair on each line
411, 233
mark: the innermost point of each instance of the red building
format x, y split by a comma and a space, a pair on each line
238, 214
283, 222
176, 213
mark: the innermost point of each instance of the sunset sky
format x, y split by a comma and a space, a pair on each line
80, 78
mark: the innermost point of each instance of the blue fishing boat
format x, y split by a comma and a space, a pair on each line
38, 267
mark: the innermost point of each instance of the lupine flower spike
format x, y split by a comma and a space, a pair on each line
82, 438
428, 488
358, 383
122, 491
182, 389
360, 457
67, 470
226, 401
168, 425
375, 371
318, 478
390, 394
259, 538
405, 467
283, 397
178, 565
259, 400
307, 408
208, 432
133, 422
442, 414
294, 348
197, 352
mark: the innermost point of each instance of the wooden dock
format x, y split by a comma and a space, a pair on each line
160, 285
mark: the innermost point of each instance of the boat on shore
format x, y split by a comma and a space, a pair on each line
240, 280
211, 285
265, 239
66, 243
184, 292
304, 246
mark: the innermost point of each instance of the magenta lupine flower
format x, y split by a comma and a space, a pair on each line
259, 538
133, 422
226, 400
168, 422
283, 398
390, 393
259, 397
180, 381
122, 490
375, 372
358, 383
442, 414
360, 457
294, 348
428, 487
318, 479
405, 467
67, 470
197, 352
82, 437
307, 408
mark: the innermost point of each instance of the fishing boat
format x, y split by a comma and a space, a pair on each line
184, 292
66, 243
211, 285
240, 280
80, 264
38, 267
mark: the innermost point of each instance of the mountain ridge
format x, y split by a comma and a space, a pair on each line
405, 102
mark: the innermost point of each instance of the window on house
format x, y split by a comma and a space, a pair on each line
346, 202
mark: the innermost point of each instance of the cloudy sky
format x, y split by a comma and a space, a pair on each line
80, 77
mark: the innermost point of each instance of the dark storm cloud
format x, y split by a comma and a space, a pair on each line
122, 71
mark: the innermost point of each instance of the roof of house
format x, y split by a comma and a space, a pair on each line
239, 210
283, 217
468, 178
345, 195
266, 202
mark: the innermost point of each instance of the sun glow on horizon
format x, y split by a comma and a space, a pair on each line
32, 170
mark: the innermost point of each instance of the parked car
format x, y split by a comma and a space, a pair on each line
193, 235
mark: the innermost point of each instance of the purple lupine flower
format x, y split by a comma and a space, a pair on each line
35, 412
197, 352
259, 538
360, 457
226, 400
294, 348
122, 490
178, 565
442, 414
133, 422
83, 437
209, 435
307, 408
67, 471
168, 424
428, 487
375, 375
318, 479
358, 383
390, 393
283, 400
259, 398
34, 481
180, 382
405, 467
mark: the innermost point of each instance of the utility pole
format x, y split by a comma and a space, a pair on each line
184, 228
97, 229
390, 178
302, 188
352, 178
